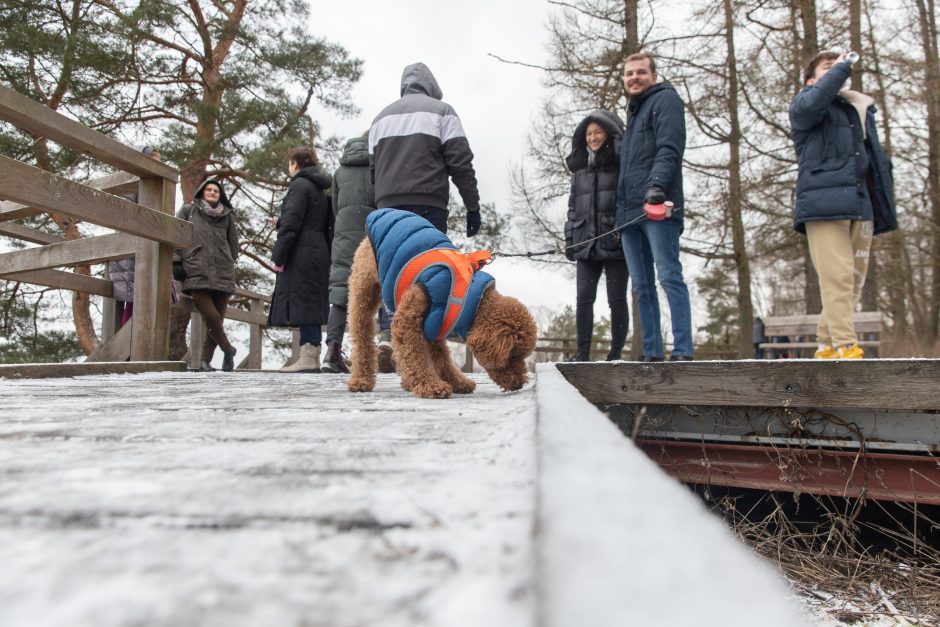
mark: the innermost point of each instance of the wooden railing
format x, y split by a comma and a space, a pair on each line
148, 231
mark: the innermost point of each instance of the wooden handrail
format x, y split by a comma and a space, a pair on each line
119, 184
38, 188
44, 122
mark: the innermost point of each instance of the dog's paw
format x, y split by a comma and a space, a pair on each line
435, 389
360, 385
463, 386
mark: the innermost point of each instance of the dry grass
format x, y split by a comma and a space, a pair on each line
863, 560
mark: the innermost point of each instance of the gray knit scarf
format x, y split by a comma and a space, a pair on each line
214, 210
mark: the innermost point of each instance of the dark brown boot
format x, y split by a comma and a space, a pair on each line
334, 358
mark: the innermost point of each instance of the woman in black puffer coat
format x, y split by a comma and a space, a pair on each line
301, 258
594, 163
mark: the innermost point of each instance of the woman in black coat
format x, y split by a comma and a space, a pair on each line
302, 258
595, 167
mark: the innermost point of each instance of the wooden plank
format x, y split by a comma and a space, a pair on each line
232, 313
858, 316
863, 383
255, 336
119, 184
44, 122
266, 298
28, 234
118, 348
864, 321
29, 185
45, 371
63, 280
811, 344
70, 253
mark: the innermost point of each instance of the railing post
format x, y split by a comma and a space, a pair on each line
150, 340
109, 320
254, 337
467, 359
197, 333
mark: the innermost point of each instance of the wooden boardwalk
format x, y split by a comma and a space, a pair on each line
263, 499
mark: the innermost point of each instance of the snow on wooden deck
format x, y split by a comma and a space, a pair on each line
265, 499
262, 499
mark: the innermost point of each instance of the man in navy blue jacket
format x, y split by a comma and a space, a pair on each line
651, 172
844, 193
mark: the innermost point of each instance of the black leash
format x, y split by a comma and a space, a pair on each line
556, 251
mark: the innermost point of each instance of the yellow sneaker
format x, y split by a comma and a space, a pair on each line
826, 352
851, 352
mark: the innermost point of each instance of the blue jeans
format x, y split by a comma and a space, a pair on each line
650, 245
310, 334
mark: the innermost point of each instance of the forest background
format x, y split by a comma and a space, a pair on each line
223, 87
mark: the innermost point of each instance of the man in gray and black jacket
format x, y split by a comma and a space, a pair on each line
415, 143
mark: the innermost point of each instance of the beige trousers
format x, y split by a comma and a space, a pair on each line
839, 250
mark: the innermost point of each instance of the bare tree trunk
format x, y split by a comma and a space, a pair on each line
739, 243
897, 302
928, 27
630, 45
631, 37
808, 46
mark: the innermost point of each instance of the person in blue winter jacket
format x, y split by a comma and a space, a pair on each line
651, 173
844, 193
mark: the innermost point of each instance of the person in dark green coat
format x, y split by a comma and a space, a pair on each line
209, 265
353, 200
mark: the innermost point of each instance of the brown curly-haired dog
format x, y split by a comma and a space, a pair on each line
502, 336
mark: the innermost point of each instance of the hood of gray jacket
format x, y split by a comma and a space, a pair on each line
356, 152
417, 79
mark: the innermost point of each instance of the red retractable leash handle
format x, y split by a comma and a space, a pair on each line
659, 212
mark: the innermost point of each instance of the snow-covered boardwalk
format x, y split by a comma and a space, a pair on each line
266, 499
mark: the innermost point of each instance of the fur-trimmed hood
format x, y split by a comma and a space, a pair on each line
577, 159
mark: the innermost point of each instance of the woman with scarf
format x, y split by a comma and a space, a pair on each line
209, 266
595, 167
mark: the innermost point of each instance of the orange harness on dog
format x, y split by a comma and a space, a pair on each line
462, 266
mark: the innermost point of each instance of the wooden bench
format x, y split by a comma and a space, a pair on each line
801, 332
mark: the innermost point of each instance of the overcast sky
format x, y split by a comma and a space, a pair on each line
495, 101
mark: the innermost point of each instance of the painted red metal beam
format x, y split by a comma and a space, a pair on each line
882, 476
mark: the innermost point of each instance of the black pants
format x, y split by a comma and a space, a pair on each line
589, 273
336, 324
212, 305
434, 215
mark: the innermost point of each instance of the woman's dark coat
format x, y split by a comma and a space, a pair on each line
210, 262
353, 200
592, 203
304, 232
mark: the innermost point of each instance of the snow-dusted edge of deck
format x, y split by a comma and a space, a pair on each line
621, 543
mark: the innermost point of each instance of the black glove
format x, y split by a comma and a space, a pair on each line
473, 222
655, 196
569, 252
179, 273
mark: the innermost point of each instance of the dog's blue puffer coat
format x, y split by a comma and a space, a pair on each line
399, 236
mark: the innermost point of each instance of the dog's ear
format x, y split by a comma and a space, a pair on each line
503, 335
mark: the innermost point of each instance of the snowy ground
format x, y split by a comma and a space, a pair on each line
262, 499
265, 499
